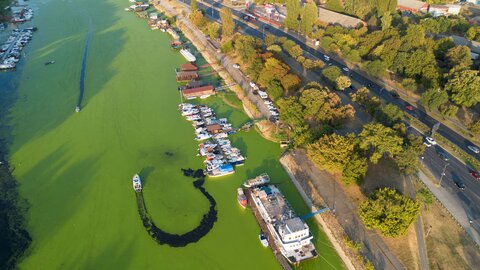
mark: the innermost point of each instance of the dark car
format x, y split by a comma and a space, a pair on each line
414, 115
443, 156
459, 184
395, 95
475, 174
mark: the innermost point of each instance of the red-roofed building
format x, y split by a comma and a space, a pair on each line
188, 67
203, 91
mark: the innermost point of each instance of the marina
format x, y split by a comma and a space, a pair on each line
11, 49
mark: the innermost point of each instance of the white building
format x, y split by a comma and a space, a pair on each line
444, 10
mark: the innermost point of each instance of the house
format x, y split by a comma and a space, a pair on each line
203, 91
413, 6
444, 10
188, 67
333, 18
185, 76
214, 128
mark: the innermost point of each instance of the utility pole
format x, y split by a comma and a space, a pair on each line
443, 173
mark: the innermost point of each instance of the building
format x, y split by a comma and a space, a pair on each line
202, 92
188, 67
473, 45
444, 10
185, 76
335, 18
413, 6
214, 128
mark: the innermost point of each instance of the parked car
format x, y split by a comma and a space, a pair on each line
252, 84
459, 184
237, 66
394, 94
409, 107
346, 69
443, 156
473, 149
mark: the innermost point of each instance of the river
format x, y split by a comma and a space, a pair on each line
75, 169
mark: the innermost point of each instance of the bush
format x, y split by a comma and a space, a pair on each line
227, 46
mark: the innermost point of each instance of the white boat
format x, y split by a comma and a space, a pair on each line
263, 239
203, 136
193, 117
137, 183
257, 181
188, 55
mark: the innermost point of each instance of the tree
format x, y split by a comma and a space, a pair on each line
459, 57
228, 24
464, 87
425, 196
292, 112
274, 48
324, 106
332, 152
331, 74
363, 98
386, 21
378, 140
343, 82
270, 40
407, 159
475, 127
272, 70
433, 98
213, 29
309, 17
355, 169
290, 82
389, 211
389, 115
442, 46
245, 47
413, 38
197, 18
193, 5
449, 110
376, 68
295, 51
254, 68
293, 12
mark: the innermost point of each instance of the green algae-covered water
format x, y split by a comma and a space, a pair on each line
75, 169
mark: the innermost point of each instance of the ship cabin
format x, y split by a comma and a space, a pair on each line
185, 76
188, 67
214, 128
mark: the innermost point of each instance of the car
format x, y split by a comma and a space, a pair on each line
443, 156
427, 144
475, 174
237, 66
252, 84
414, 115
473, 149
395, 95
430, 140
459, 184
346, 69
327, 58
255, 92
329, 64
409, 107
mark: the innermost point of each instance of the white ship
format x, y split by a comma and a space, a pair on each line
137, 183
257, 181
188, 55
290, 233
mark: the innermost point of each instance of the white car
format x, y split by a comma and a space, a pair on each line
430, 140
346, 69
237, 66
326, 57
252, 84
473, 149
268, 102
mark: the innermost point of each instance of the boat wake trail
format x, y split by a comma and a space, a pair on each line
84, 65
175, 240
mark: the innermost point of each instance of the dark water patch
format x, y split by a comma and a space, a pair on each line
14, 238
193, 236
84, 65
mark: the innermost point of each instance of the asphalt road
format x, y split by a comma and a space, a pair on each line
456, 171
445, 131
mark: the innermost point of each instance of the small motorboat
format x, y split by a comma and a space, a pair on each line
49, 62
257, 181
137, 183
241, 198
263, 239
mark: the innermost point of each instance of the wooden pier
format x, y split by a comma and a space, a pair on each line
271, 242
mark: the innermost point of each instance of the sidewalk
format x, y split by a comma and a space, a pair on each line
451, 204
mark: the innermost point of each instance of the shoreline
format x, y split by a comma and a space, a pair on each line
252, 115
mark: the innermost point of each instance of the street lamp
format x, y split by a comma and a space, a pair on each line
443, 173
422, 158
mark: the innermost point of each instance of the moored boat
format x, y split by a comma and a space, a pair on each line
257, 181
263, 239
241, 198
137, 183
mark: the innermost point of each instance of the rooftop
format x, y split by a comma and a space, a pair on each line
332, 17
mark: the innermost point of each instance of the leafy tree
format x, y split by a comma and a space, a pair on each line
459, 57
245, 47
442, 46
386, 20
407, 159
449, 110
272, 70
355, 169
425, 196
376, 68
409, 84
227, 46
414, 37
295, 51
389, 211
290, 82
197, 18
475, 127
324, 106
213, 29
254, 68
292, 112
270, 40
193, 5
343, 82
293, 12
334, 5
433, 98
275, 90
389, 115
274, 48
331, 74
228, 24
288, 45
473, 33
464, 87
378, 140
363, 98
332, 152
309, 17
